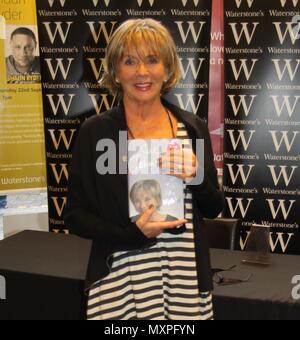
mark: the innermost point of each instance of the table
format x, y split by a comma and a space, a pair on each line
44, 275
268, 295
45, 279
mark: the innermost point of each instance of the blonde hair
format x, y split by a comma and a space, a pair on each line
156, 36
149, 186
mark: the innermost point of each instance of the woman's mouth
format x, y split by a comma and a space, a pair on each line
143, 87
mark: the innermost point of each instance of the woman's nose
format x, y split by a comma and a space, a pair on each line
144, 206
142, 69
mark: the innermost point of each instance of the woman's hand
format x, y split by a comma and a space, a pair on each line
154, 229
180, 163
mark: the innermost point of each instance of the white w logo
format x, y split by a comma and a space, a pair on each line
283, 173
59, 207
63, 34
243, 32
291, 29
62, 138
59, 67
97, 70
239, 173
242, 103
60, 102
184, 2
97, 35
243, 243
284, 139
104, 104
191, 29
288, 67
235, 142
239, 206
281, 208
190, 103
51, 2
285, 104
243, 67
95, 2
280, 240
191, 66
283, 2
140, 2
60, 174
239, 2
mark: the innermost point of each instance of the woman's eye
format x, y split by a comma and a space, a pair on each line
129, 61
152, 60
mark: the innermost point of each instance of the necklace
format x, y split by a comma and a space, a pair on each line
170, 121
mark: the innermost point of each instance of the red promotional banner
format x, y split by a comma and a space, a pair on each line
216, 89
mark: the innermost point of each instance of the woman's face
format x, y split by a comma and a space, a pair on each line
143, 200
141, 79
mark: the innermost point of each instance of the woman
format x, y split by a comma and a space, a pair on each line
146, 193
136, 270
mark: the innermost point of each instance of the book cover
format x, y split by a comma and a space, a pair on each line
149, 185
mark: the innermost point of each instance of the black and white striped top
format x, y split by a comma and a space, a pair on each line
156, 283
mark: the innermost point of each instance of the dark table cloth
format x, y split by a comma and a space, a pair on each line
267, 296
45, 274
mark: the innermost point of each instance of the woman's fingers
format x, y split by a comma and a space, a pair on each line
188, 171
167, 225
178, 169
154, 229
179, 163
186, 157
145, 217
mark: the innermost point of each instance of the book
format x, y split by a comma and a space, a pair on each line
149, 185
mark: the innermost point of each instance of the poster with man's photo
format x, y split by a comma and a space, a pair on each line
22, 55
22, 139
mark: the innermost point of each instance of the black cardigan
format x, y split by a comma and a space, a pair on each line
97, 206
